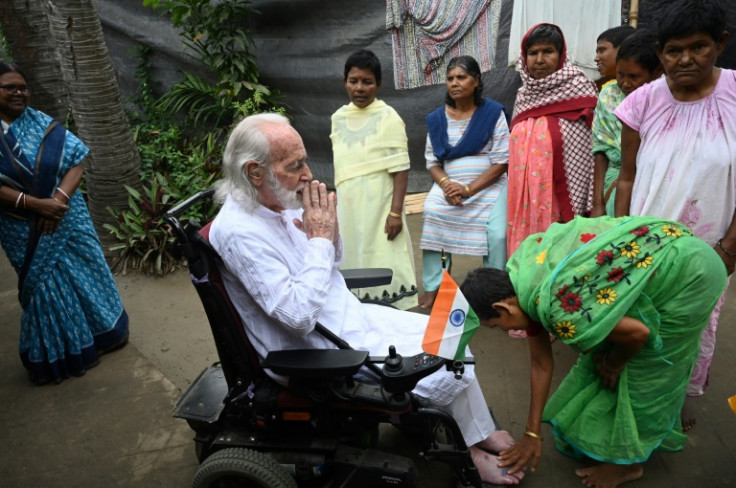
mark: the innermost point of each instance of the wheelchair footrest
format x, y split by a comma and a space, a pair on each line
203, 401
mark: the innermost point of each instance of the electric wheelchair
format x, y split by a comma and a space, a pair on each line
321, 430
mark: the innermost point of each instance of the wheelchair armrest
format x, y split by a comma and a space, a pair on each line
315, 363
367, 277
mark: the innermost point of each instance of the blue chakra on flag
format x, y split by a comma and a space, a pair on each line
457, 318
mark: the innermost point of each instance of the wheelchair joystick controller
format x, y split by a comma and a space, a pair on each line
393, 362
401, 374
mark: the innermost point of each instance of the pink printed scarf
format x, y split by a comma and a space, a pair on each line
564, 97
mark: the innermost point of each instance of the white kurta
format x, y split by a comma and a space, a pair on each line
282, 284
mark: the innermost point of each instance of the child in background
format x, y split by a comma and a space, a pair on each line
371, 161
637, 63
605, 52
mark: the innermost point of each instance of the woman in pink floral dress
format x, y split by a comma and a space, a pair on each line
679, 145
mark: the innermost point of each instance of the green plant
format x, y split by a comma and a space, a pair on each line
176, 169
256, 104
215, 33
144, 98
145, 240
4, 48
172, 168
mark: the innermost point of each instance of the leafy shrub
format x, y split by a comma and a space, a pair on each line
217, 36
144, 243
144, 239
173, 167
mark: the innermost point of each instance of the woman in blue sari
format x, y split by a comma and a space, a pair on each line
72, 312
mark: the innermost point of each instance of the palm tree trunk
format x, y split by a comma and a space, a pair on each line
25, 25
97, 108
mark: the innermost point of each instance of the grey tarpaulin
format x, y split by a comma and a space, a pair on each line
302, 46
306, 43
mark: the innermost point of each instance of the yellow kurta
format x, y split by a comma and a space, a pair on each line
368, 146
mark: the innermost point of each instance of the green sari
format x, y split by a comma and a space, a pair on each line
578, 280
607, 139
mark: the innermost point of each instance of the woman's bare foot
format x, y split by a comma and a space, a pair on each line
489, 471
687, 416
608, 475
427, 300
499, 441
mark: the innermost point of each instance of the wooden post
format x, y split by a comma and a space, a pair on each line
634, 13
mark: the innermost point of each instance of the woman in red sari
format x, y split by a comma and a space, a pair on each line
550, 150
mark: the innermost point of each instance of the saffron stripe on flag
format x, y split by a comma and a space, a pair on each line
439, 316
452, 323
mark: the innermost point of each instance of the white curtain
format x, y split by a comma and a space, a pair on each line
582, 21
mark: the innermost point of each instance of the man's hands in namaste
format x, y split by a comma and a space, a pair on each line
320, 212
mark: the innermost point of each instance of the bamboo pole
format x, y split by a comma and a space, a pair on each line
634, 13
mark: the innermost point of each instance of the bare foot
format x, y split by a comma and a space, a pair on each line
499, 441
489, 471
608, 475
427, 300
687, 416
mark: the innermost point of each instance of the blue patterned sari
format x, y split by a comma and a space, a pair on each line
71, 306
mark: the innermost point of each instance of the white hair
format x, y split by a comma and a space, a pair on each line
247, 142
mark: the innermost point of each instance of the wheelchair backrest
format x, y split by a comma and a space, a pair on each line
240, 363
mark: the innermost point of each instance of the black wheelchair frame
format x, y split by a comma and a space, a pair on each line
322, 428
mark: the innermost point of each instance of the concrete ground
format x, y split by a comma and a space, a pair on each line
113, 427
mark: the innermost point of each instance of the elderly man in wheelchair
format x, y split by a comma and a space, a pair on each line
280, 248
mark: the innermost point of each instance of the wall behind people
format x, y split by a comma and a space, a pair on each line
301, 49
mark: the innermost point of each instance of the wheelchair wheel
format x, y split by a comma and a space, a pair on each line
239, 467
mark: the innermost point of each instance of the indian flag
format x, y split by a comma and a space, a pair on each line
452, 322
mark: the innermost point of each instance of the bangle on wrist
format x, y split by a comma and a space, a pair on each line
533, 434
63, 193
728, 253
442, 180
24, 200
391, 213
468, 193
17, 200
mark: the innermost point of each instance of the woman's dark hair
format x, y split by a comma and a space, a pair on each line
684, 18
11, 68
364, 59
470, 66
485, 286
616, 35
639, 48
546, 33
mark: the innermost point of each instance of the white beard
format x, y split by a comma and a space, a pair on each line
289, 199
